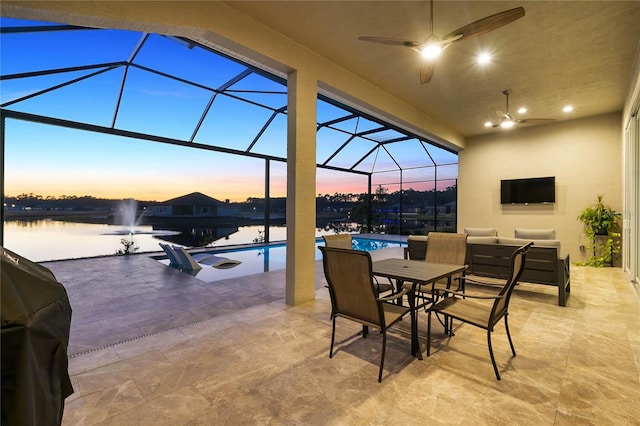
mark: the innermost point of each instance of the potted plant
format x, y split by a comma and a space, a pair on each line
600, 219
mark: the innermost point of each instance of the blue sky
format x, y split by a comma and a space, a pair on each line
51, 160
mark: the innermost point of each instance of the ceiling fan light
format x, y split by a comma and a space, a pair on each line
506, 124
484, 58
488, 124
430, 51
522, 110
567, 108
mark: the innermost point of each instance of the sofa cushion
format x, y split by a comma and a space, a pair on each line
536, 234
481, 232
523, 241
512, 241
482, 240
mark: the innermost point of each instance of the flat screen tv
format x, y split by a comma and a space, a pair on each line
528, 191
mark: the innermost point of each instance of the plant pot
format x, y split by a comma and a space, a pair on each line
603, 230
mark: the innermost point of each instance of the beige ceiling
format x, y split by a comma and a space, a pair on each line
560, 52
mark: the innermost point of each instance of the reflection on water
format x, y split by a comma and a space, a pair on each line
206, 237
43, 240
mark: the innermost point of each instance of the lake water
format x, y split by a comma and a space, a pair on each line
44, 240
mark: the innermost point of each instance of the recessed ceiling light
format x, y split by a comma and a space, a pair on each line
484, 58
488, 124
567, 108
522, 110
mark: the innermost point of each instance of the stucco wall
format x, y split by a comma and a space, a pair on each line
584, 156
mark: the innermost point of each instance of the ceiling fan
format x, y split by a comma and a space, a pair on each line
432, 45
507, 121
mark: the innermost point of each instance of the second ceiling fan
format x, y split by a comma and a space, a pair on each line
432, 45
507, 120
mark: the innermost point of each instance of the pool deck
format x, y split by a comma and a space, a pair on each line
129, 297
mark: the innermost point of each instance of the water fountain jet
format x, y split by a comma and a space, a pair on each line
127, 216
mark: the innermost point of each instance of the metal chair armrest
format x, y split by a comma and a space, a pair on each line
474, 296
394, 296
480, 282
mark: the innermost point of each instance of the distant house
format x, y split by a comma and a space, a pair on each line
195, 204
450, 207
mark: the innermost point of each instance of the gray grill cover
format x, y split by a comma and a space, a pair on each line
36, 318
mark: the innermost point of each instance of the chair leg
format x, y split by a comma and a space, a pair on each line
429, 333
398, 289
493, 360
333, 337
392, 286
445, 324
384, 346
506, 326
365, 331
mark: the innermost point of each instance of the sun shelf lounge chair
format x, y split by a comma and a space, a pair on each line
195, 262
217, 261
171, 254
187, 262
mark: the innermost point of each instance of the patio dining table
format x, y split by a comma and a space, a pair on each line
417, 272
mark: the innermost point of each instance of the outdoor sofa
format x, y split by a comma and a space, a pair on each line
488, 256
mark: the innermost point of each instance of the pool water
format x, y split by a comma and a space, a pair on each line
256, 260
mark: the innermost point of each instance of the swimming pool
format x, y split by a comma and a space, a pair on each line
271, 258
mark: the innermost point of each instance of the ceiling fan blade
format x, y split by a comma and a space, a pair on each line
487, 24
448, 40
426, 72
391, 41
535, 120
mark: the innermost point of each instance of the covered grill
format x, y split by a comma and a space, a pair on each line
36, 319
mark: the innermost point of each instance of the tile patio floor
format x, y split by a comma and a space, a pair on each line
153, 346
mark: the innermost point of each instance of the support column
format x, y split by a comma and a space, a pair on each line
301, 187
267, 200
3, 122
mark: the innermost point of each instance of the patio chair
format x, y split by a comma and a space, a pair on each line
445, 247
354, 296
338, 240
463, 307
344, 241
437, 247
416, 247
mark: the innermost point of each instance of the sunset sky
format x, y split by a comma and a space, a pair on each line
81, 163
54, 161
